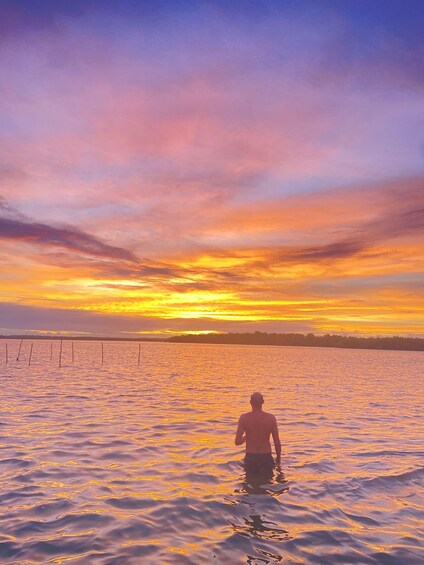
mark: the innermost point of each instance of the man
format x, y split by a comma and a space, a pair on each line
255, 428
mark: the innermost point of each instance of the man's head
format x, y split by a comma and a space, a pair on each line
256, 400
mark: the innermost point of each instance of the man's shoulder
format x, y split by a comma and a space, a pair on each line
253, 414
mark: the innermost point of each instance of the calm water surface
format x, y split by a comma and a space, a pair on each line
115, 463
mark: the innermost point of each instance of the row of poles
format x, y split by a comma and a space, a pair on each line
60, 352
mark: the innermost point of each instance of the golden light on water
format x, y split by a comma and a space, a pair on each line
143, 456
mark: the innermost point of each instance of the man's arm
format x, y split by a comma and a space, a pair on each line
240, 438
276, 438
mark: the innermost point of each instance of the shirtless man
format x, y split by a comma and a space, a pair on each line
255, 428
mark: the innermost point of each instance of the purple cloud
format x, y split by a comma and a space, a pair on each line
69, 238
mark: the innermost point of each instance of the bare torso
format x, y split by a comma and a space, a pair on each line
258, 426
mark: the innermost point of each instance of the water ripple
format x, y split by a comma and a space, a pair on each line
122, 464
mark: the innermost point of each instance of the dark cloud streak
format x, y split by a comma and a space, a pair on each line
68, 238
405, 220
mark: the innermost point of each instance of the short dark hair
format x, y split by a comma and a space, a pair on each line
256, 398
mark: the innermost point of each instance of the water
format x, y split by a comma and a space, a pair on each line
114, 463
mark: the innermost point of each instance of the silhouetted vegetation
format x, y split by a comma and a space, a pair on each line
259, 338
308, 340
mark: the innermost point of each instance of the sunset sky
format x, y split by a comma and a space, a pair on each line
193, 166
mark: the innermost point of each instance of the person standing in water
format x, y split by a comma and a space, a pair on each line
255, 428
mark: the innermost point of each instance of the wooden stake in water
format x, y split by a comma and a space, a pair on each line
139, 353
19, 351
30, 355
60, 354
7, 354
102, 353
51, 350
72, 352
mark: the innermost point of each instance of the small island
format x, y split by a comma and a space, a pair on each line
308, 340
396, 343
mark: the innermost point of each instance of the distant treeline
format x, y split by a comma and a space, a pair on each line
308, 340
259, 338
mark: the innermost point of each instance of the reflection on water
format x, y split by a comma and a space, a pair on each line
266, 483
270, 482
118, 463
256, 526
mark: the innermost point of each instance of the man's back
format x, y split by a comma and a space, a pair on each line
255, 428
258, 426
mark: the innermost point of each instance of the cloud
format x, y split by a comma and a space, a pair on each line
339, 222
17, 318
406, 222
245, 165
384, 228
8, 211
336, 250
68, 238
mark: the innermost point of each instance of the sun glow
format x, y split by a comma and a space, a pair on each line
213, 194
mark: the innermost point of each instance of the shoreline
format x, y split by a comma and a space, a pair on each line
392, 343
